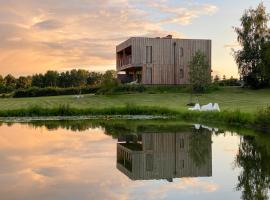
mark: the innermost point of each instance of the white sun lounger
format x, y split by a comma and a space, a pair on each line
208, 107
196, 107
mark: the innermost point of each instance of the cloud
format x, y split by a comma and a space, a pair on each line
39, 35
184, 15
48, 24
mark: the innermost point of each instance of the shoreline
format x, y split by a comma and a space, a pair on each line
76, 118
257, 120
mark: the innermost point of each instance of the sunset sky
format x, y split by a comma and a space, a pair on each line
41, 35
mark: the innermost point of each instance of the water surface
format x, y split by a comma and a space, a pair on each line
131, 160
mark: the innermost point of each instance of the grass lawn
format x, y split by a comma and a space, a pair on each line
228, 98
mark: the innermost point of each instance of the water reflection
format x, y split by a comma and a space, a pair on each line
254, 179
167, 156
80, 157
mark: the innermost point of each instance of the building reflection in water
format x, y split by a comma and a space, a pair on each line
148, 156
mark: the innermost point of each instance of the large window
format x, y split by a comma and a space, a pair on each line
148, 54
181, 52
149, 140
181, 73
149, 162
182, 143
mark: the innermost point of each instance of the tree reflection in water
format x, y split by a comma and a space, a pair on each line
254, 179
253, 157
200, 140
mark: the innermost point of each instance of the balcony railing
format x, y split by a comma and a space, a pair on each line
124, 61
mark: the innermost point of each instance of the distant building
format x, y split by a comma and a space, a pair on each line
164, 156
158, 60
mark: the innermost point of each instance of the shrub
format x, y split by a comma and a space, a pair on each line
52, 91
262, 118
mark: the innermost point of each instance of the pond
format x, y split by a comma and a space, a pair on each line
131, 159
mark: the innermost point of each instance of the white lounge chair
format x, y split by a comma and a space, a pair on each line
196, 107
207, 107
197, 126
216, 107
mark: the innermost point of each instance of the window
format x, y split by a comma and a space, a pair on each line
182, 143
181, 73
182, 164
148, 54
149, 162
181, 52
149, 142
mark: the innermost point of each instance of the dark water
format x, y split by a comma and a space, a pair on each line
131, 160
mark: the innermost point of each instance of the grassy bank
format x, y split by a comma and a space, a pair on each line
259, 119
230, 99
239, 106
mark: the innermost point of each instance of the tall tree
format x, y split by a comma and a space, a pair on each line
23, 82
10, 82
199, 72
51, 78
1, 80
64, 80
253, 160
82, 76
109, 79
94, 78
266, 62
38, 80
251, 35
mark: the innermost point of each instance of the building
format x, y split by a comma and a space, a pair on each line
165, 156
158, 60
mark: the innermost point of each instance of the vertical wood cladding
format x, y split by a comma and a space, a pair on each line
169, 58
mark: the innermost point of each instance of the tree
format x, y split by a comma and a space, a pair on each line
10, 82
1, 80
252, 35
82, 76
266, 62
94, 78
109, 79
23, 82
2, 85
51, 78
253, 160
64, 80
199, 72
216, 79
38, 80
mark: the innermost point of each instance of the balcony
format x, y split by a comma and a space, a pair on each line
124, 61
124, 58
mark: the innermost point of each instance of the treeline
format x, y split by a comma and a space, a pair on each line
53, 79
226, 82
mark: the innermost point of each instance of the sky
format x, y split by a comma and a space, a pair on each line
41, 35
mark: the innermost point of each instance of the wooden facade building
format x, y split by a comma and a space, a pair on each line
159, 60
165, 156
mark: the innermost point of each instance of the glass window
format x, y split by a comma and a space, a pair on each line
149, 54
182, 143
149, 162
181, 73
181, 52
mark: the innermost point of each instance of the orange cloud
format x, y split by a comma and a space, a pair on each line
40, 35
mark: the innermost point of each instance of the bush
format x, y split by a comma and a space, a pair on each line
128, 88
6, 95
262, 118
167, 88
229, 82
52, 91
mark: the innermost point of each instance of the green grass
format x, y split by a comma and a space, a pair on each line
229, 99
